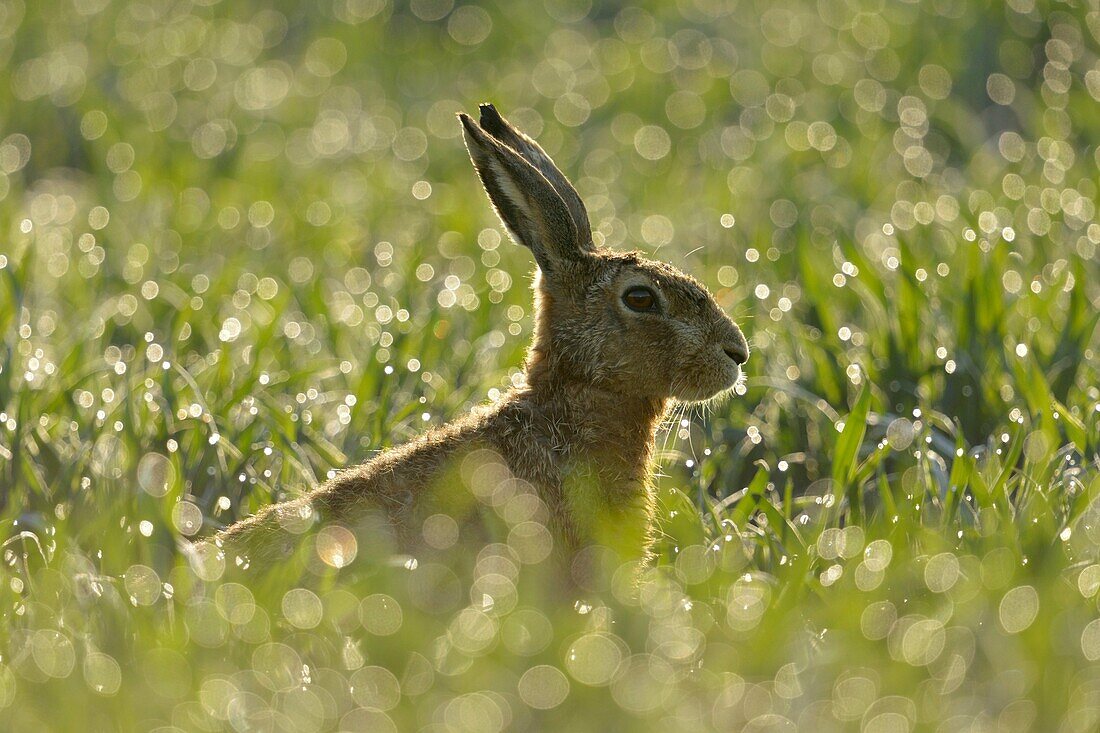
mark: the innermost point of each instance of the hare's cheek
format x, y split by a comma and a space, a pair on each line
684, 334
690, 341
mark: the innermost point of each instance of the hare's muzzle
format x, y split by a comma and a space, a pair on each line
733, 342
739, 352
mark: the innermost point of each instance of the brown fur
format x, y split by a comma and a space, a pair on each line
599, 377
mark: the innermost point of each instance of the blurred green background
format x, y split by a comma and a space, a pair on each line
241, 245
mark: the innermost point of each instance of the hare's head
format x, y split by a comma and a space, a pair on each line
615, 320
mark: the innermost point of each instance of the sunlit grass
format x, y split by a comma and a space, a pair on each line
241, 246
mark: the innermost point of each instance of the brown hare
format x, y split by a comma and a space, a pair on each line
617, 338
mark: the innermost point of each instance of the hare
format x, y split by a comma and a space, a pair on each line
617, 338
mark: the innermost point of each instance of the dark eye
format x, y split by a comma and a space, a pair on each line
640, 299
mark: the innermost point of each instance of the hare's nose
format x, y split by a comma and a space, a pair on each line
739, 352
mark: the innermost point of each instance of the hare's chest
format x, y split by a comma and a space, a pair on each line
610, 506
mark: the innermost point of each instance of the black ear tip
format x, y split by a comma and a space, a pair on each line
467, 121
489, 114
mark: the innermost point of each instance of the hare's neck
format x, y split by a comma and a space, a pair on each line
603, 446
614, 432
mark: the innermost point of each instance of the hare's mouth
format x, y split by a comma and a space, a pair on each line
704, 390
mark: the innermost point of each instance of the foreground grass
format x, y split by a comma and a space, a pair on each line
242, 247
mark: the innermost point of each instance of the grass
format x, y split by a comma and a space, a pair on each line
241, 246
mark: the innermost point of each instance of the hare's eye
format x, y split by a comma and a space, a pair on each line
640, 299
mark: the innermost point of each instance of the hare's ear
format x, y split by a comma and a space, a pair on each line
530, 207
502, 130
